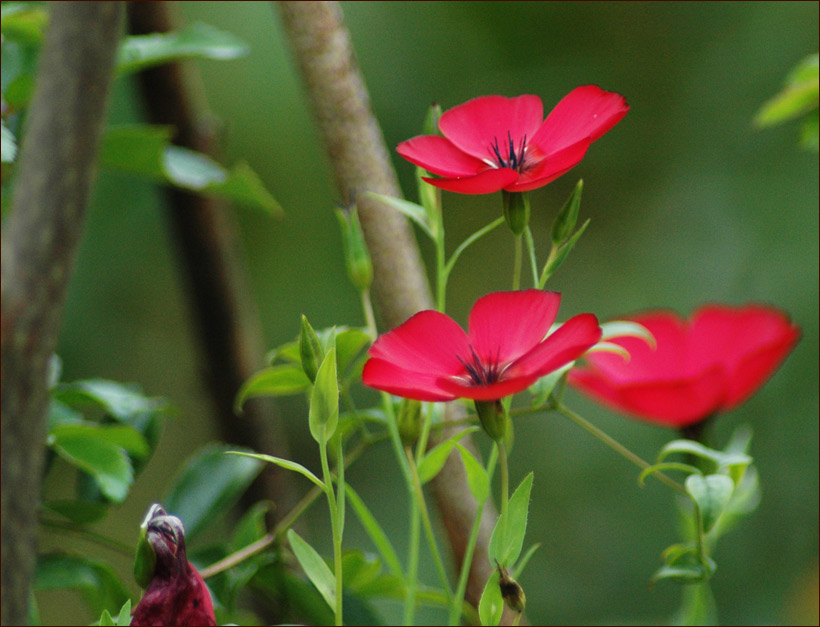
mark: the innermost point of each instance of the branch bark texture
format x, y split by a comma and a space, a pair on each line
39, 246
360, 162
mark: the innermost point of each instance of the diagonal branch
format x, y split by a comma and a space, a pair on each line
39, 245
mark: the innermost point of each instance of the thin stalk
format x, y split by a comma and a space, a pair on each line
461, 588
531, 254
412, 563
516, 284
370, 320
335, 524
618, 447
91, 536
478, 234
441, 274
505, 482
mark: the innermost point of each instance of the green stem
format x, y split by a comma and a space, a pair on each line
618, 447
478, 234
441, 274
336, 527
412, 563
91, 536
505, 482
531, 254
516, 284
370, 320
461, 588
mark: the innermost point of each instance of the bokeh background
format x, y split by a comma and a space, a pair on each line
689, 204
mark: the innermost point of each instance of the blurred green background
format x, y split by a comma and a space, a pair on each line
689, 204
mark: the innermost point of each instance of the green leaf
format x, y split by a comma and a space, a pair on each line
687, 573
627, 328
374, 530
124, 617
121, 401
711, 493
105, 461
282, 463
138, 52
96, 582
315, 567
810, 132
651, 470
8, 145
207, 485
519, 567
561, 254
477, 478
800, 95
272, 381
508, 535
146, 150
106, 620
23, 22
565, 221
542, 388
734, 462
78, 512
491, 606
124, 436
349, 345
251, 527
436, 457
324, 400
408, 209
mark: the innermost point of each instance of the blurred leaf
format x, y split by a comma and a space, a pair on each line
627, 328
283, 463
23, 22
542, 388
408, 209
799, 96
477, 478
809, 132
711, 493
8, 145
491, 606
651, 470
124, 436
324, 401
146, 150
508, 535
436, 457
375, 531
105, 461
61, 414
522, 564
122, 619
251, 527
359, 570
686, 573
272, 381
97, 583
121, 401
78, 512
315, 567
207, 485
138, 52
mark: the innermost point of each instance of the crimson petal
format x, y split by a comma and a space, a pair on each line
421, 386
438, 155
487, 182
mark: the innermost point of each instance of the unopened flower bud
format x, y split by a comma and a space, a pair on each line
516, 211
357, 257
409, 421
493, 418
565, 220
511, 591
310, 350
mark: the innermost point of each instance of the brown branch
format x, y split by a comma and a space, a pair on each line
205, 232
335, 87
39, 246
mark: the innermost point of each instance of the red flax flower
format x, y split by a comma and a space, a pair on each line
493, 143
711, 363
177, 595
431, 358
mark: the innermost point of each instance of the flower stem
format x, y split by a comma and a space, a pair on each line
336, 527
517, 264
412, 563
531, 253
618, 447
370, 320
505, 480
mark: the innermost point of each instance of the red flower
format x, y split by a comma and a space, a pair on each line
712, 363
493, 143
430, 357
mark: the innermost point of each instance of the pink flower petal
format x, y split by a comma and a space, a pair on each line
506, 325
438, 155
576, 336
491, 392
550, 168
421, 386
478, 124
429, 342
491, 180
586, 113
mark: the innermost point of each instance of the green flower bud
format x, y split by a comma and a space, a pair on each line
409, 421
357, 257
310, 350
493, 418
516, 210
565, 220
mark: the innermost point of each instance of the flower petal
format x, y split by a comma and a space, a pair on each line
428, 343
506, 325
438, 155
480, 123
576, 336
492, 392
550, 168
586, 113
421, 386
487, 182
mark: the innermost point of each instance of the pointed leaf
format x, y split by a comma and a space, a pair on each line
564, 223
711, 493
282, 463
477, 478
315, 567
324, 400
410, 210
508, 535
375, 531
626, 328
106, 462
491, 606
436, 457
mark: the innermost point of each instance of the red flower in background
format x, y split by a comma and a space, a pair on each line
431, 358
712, 363
493, 143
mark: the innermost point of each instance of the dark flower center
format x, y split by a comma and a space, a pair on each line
481, 373
507, 156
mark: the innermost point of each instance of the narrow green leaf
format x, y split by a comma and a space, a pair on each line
798, 97
519, 567
106, 462
508, 535
626, 328
651, 470
436, 457
477, 478
315, 567
138, 52
283, 463
690, 573
324, 400
273, 381
711, 493
565, 221
124, 617
124, 436
207, 485
561, 254
106, 620
491, 606
374, 530
410, 210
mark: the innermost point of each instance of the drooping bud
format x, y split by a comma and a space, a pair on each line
409, 421
511, 590
516, 210
357, 257
565, 220
493, 418
310, 350
145, 560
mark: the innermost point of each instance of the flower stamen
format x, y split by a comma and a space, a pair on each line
515, 158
